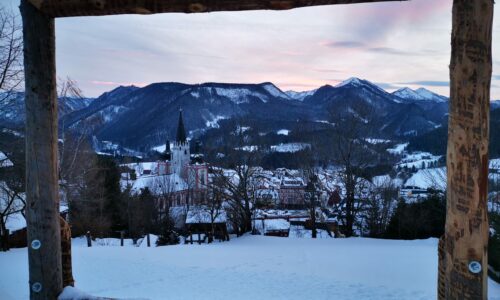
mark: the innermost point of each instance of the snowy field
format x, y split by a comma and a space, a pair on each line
251, 267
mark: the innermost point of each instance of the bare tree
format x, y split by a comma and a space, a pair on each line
12, 184
165, 188
12, 202
11, 52
435, 178
238, 183
213, 205
167, 193
312, 199
350, 128
76, 156
381, 202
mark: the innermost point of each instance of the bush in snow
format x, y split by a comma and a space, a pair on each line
168, 236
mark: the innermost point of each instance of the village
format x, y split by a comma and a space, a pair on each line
322, 149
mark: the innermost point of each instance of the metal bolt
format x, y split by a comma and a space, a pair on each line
36, 244
36, 287
475, 267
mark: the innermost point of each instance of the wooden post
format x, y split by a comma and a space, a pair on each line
466, 233
122, 234
5, 240
89, 239
148, 239
67, 269
42, 207
441, 288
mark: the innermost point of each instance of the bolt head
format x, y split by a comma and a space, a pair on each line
36, 287
475, 267
36, 244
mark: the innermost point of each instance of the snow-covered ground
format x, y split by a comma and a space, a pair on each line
290, 147
429, 178
283, 132
398, 149
418, 160
250, 267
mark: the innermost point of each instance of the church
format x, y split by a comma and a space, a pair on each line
179, 163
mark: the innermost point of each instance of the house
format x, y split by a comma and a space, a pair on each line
199, 222
292, 192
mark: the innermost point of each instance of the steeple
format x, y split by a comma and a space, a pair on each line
181, 132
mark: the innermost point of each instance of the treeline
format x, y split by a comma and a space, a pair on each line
435, 141
418, 220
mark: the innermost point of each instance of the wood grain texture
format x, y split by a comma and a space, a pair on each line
71, 8
466, 234
67, 266
42, 207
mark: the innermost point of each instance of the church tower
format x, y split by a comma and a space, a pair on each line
180, 150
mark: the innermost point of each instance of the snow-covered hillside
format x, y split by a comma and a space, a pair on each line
300, 96
250, 267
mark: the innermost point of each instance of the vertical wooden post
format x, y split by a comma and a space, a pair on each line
466, 233
148, 240
441, 288
42, 207
89, 239
122, 235
5, 240
67, 266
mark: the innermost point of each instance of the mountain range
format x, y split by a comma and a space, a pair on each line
145, 117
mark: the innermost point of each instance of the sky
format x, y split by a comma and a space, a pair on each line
393, 44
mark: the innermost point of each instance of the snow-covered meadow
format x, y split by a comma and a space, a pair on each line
250, 267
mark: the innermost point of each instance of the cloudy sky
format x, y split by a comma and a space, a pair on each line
392, 44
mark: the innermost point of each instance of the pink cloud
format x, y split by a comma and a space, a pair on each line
375, 21
112, 83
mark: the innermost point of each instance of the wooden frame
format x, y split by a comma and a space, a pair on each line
71, 8
466, 236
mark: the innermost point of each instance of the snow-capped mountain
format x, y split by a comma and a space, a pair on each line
420, 94
12, 110
407, 93
141, 117
300, 96
147, 116
138, 116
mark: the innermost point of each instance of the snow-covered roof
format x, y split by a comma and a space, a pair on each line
201, 214
5, 161
267, 192
267, 225
160, 184
292, 182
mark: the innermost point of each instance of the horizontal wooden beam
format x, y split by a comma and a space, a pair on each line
73, 8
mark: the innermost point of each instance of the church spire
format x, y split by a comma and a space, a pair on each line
181, 132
